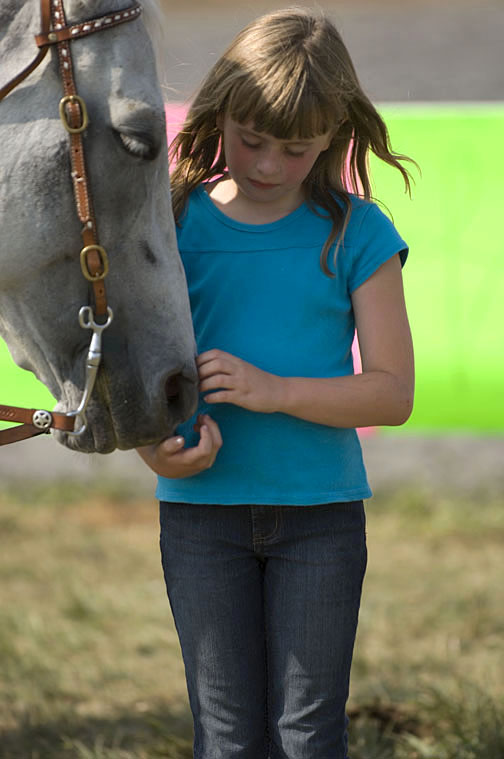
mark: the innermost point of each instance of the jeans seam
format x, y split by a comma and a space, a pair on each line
259, 540
256, 540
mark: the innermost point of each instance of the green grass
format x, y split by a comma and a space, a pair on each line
454, 277
90, 666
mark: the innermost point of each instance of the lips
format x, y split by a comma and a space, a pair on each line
262, 185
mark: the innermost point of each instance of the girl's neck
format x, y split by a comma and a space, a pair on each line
227, 197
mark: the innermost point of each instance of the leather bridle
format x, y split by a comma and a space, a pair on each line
93, 257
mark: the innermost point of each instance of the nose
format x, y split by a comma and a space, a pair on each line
268, 163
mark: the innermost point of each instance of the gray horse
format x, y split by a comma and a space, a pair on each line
147, 380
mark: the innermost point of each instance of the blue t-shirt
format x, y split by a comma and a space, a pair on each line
258, 292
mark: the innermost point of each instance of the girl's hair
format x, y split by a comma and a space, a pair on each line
290, 74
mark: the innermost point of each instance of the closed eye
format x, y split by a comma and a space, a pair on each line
138, 145
295, 153
289, 151
251, 144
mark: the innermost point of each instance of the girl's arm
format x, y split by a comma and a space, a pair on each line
381, 395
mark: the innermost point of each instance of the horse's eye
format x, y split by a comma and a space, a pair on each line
138, 146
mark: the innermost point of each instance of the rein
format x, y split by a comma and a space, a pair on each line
93, 257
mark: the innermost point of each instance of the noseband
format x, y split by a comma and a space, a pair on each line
93, 257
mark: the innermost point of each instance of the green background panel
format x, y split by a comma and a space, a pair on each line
19, 387
454, 277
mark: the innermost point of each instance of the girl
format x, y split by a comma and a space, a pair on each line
262, 521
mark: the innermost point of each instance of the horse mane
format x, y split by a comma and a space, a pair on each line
155, 20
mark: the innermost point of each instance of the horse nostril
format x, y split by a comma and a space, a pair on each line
172, 387
181, 395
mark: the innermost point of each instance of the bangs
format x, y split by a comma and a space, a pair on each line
284, 107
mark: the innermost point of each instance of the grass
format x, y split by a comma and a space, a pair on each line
89, 660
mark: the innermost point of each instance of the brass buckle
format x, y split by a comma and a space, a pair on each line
63, 114
84, 263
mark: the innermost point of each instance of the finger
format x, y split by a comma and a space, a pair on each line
221, 396
210, 355
218, 382
214, 431
171, 445
205, 443
203, 452
216, 355
220, 365
210, 439
214, 367
189, 457
199, 421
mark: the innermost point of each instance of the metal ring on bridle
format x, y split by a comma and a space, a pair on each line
72, 99
84, 264
42, 420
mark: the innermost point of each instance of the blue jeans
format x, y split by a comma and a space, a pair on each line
265, 601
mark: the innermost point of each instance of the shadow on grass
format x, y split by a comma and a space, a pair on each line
127, 735
469, 726
160, 733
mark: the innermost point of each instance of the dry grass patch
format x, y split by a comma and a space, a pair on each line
90, 664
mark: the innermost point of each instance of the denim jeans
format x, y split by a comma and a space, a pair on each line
265, 601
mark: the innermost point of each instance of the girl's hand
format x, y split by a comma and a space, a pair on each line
170, 459
238, 382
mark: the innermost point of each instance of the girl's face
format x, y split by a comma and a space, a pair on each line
266, 169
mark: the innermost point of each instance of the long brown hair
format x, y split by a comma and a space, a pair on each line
289, 73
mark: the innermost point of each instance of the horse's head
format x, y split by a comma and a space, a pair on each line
147, 381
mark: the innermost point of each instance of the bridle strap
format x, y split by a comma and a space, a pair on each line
23, 74
74, 119
45, 21
94, 262
73, 113
21, 432
33, 422
25, 416
61, 33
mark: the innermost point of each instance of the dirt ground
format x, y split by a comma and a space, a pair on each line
452, 464
404, 50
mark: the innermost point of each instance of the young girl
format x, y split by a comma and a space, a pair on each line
262, 521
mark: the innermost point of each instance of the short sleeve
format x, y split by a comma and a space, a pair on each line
376, 241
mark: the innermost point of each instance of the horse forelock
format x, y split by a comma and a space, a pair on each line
153, 16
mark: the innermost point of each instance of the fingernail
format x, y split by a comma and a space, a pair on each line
179, 440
